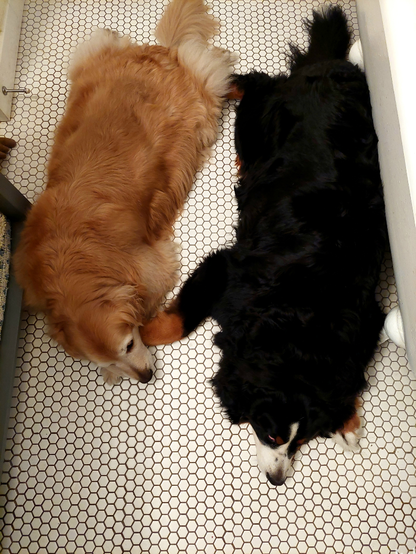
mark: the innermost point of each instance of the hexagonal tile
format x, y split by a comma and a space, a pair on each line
158, 468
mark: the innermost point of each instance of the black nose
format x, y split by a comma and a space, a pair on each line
276, 480
145, 377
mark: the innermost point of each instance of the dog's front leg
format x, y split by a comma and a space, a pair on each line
195, 302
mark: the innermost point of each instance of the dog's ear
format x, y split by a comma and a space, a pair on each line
233, 397
62, 332
57, 322
56, 330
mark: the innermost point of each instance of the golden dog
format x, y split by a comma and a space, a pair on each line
96, 254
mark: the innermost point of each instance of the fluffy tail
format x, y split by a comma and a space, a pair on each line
329, 38
187, 26
185, 20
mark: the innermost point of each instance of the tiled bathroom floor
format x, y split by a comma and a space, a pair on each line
156, 468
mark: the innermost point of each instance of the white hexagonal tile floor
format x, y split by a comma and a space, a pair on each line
157, 469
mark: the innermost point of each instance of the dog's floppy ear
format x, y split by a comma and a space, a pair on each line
233, 396
61, 331
56, 330
60, 327
57, 322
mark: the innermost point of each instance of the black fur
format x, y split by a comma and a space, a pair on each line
295, 295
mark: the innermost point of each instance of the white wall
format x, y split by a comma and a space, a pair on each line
388, 36
10, 23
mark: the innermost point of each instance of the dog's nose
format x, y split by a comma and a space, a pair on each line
276, 480
145, 375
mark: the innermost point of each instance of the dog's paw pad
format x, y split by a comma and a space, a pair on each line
347, 441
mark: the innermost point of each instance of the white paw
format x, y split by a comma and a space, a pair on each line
347, 441
110, 378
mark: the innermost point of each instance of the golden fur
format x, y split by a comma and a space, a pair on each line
96, 254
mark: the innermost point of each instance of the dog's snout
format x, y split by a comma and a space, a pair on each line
276, 480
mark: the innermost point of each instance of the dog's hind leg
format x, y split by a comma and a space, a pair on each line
195, 302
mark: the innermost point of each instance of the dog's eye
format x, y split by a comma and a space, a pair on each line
278, 440
130, 346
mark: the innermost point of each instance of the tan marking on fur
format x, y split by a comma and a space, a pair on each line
234, 93
165, 328
353, 424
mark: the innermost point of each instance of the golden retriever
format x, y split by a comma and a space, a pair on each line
96, 254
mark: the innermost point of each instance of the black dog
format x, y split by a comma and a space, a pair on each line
295, 295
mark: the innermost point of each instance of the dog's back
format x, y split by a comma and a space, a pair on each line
311, 234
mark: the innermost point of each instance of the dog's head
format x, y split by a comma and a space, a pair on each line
280, 426
105, 331
282, 420
275, 454
280, 429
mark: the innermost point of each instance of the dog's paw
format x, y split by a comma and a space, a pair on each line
347, 441
109, 377
165, 328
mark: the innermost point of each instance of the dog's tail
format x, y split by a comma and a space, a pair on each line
187, 26
185, 20
329, 38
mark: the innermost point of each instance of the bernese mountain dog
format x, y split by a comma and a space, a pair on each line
295, 294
